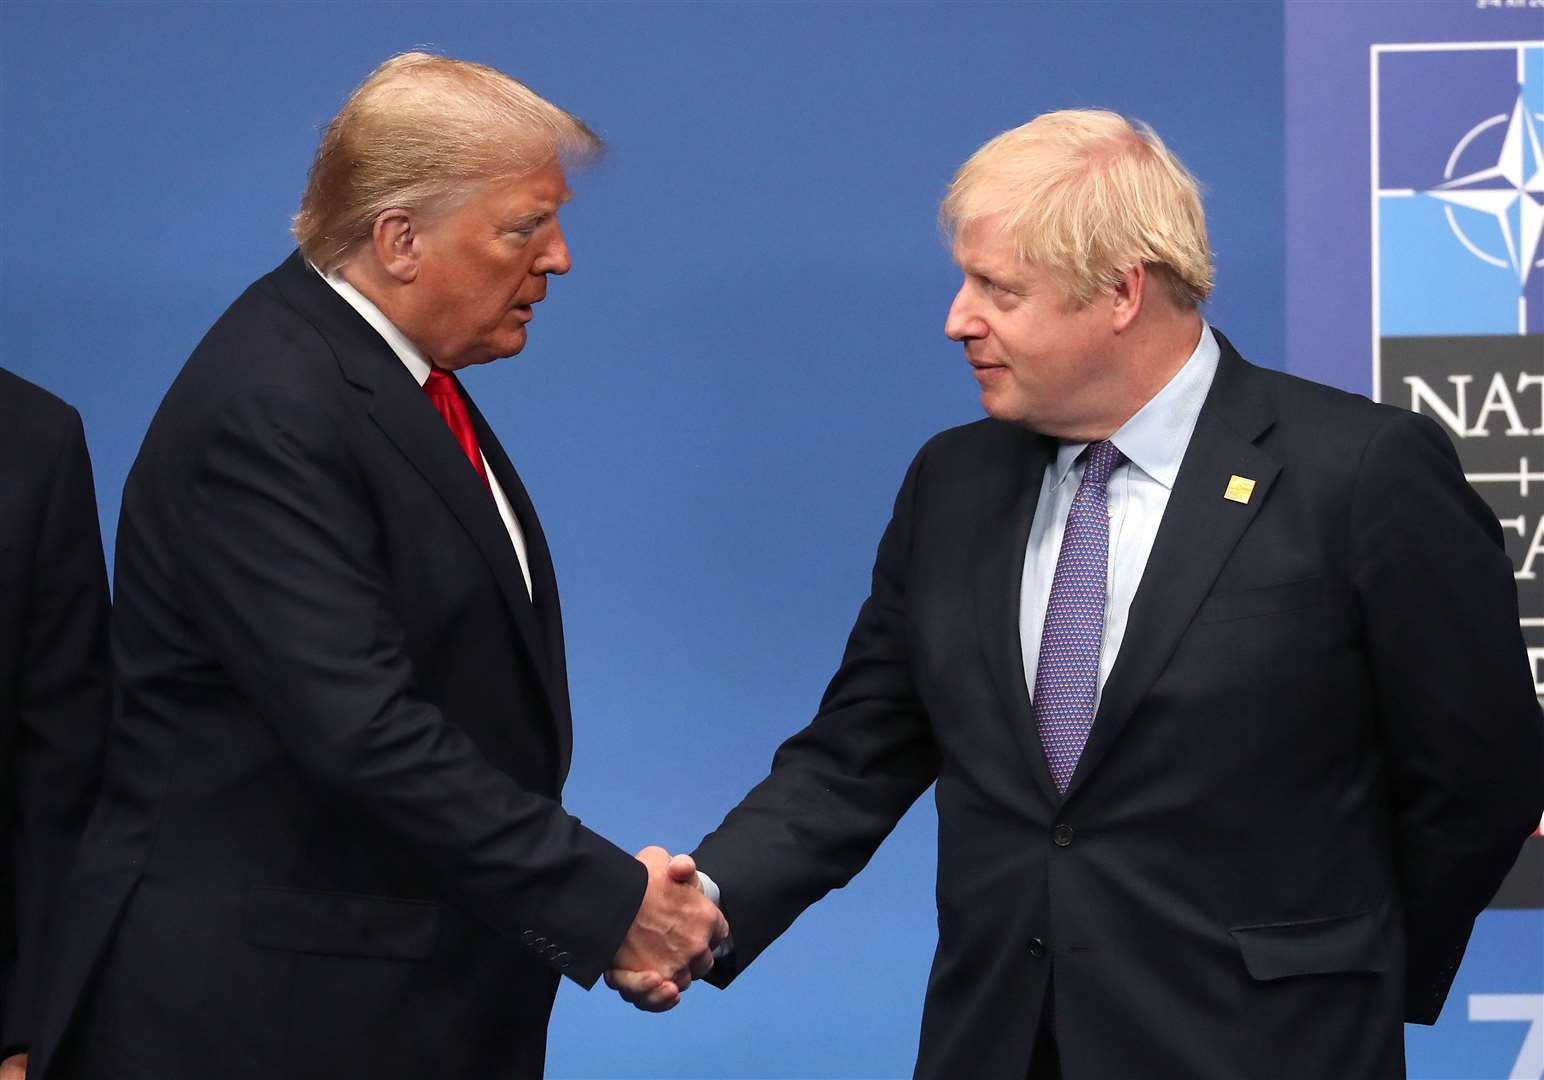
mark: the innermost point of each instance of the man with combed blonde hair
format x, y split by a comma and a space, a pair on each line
424, 131
331, 842
1085, 194
1217, 672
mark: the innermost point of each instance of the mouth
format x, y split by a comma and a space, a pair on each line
523, 312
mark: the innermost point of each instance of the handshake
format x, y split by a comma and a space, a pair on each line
673, 936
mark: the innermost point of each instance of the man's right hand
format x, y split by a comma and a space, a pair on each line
672, 937
14, 1067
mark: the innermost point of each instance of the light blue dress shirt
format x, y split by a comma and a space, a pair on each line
1154, 442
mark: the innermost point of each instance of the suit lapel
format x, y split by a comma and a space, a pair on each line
1199, 530
1011, 490
544, 585
401, 411
404, 415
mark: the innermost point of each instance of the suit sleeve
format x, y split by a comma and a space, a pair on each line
63, 702
283, 571
1461, 729
838, 787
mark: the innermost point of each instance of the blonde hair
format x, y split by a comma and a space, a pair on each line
1086, 195
421, 132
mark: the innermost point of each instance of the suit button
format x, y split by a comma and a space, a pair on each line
1062, 835
528, 937
1036, 948
562, 960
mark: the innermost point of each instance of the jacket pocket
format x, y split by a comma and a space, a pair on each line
1340, 943
340, 924
1270, 600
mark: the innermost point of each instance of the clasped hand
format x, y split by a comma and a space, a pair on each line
672, 938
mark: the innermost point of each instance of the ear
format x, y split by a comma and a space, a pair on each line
394, 239
1128, 296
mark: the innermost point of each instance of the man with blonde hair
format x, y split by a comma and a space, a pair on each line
330, 842
1217, 671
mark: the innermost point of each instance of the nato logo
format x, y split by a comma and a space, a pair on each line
1458, 292
1458, 175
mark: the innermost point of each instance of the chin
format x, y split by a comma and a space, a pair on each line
497, 350
998, 409
513, 344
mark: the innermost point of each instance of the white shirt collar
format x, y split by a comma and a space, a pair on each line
1155, 438
406, 351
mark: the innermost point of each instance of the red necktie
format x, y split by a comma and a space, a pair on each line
442, 392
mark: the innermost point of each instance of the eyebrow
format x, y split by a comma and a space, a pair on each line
998, 275
540, 213
976, 270
545, 209
548, 207
968, 266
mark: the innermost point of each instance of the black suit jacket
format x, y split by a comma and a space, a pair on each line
1314, 760
54, 696
330, 842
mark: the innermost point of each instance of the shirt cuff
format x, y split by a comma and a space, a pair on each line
710, 890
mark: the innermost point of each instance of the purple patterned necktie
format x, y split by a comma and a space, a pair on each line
1067, 678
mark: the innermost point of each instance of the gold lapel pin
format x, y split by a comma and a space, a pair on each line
1239, 489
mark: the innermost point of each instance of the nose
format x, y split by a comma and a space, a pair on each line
555, 258
961, 324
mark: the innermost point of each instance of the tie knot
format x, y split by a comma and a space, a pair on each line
1103, 457
439, 384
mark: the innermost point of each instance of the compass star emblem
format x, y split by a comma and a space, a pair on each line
1511, 190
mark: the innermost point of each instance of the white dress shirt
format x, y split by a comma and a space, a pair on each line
419, 368
1154, 442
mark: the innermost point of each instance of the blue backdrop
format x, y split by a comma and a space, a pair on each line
717, 403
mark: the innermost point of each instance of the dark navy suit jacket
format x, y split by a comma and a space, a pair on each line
54, 677
330, 842
1313, 762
